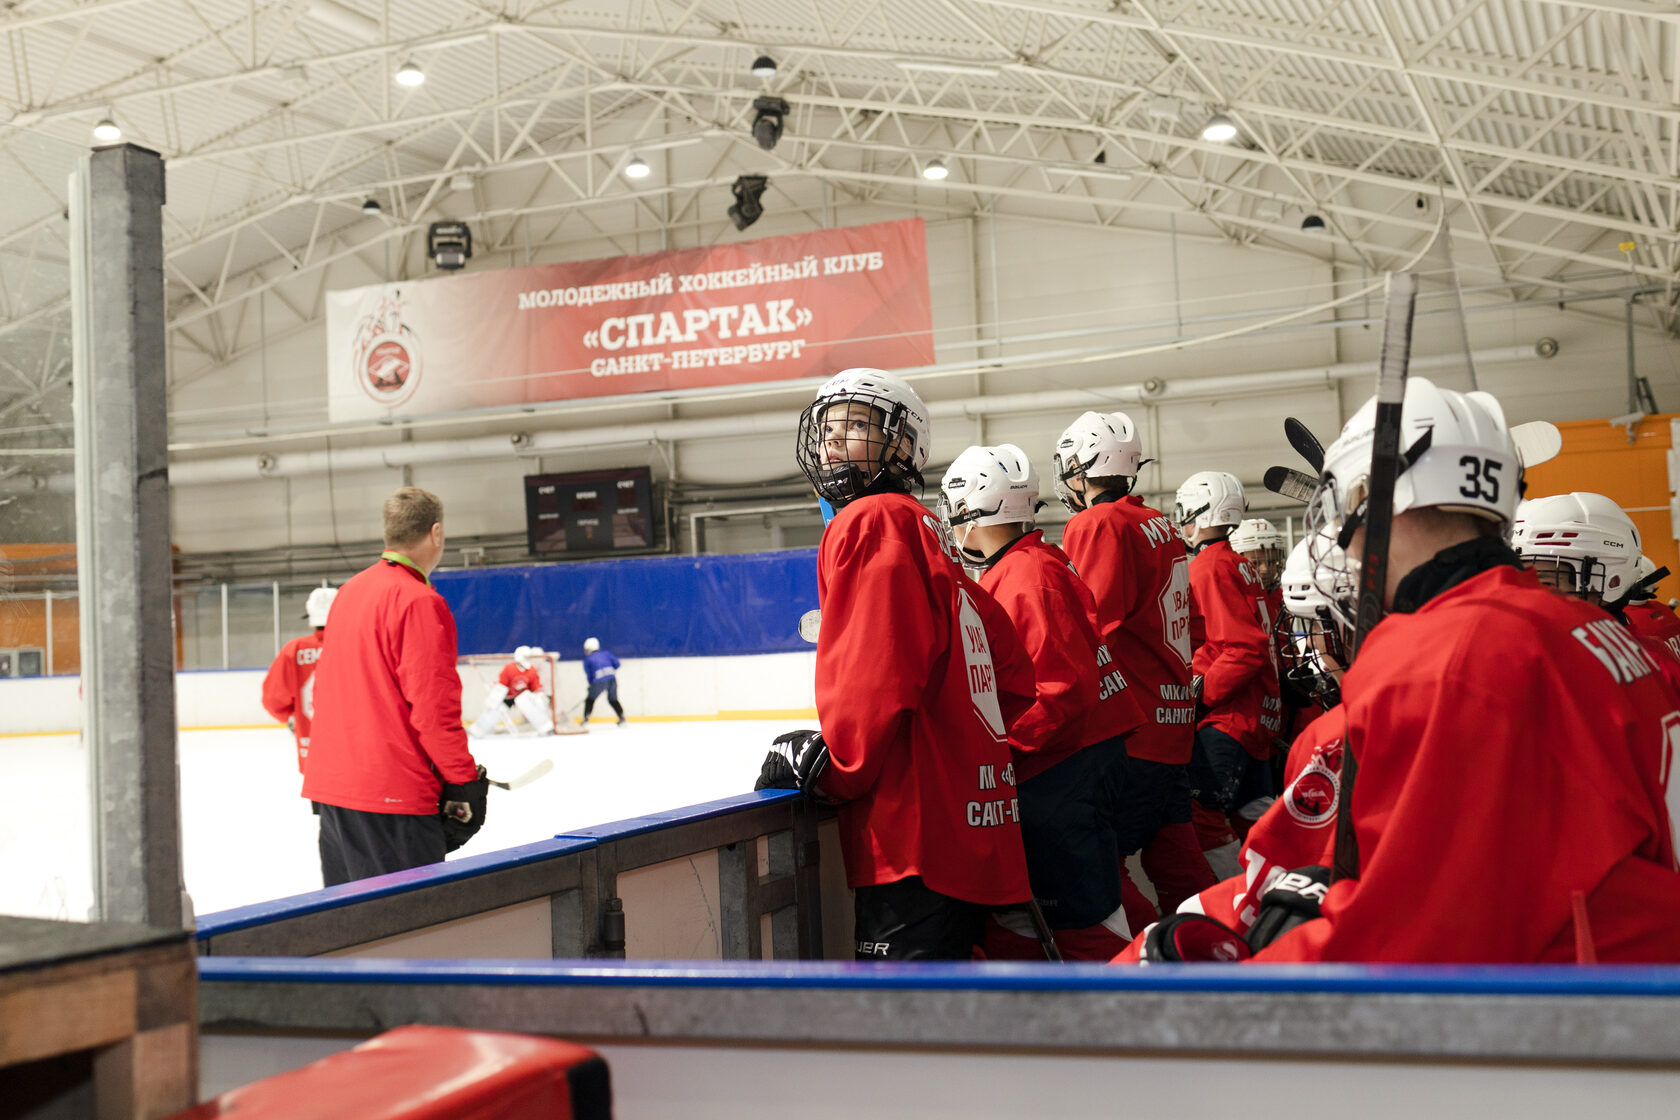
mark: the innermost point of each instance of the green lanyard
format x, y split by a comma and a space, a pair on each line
399, 558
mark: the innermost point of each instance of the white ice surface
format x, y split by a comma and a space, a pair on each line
249, 837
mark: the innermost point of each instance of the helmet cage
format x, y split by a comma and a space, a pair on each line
1587, 575
884, 434
1311, 640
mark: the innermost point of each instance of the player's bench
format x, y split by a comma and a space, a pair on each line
726, 878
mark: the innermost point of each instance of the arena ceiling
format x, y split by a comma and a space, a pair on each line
1548, 131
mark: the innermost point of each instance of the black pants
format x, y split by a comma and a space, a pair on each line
1070, 816
1223, 775
908, 921
360, 845
610, 687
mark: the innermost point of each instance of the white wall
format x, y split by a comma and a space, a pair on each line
1048, 278
671, 687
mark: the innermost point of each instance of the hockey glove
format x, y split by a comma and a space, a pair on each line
1189, 938
1293, 899
799, 755
462, 809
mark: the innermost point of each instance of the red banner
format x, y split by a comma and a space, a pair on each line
776, 309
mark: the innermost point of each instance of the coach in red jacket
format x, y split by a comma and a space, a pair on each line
388, 746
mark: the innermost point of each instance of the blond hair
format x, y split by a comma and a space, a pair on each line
409, 515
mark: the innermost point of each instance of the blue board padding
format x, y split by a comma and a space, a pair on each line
652, 822
1441, 980
652, 606
397, 882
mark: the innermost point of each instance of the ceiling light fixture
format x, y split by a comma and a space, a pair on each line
409, 74
767, 120
1219, 129
764, 67
107, 131
637, 168
371, 206
461, 181
1312, 223
749, 205
935, 169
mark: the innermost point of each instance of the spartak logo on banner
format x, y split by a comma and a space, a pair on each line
386, 359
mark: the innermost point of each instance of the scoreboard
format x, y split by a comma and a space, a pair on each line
589, 512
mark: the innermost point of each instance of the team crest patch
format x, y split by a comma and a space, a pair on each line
386, 358
1311, 797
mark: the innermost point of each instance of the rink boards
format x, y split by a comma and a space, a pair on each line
707, 1009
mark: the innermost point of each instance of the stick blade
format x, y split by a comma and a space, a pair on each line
1537, 442
529, 776
1295, 485
1305, 443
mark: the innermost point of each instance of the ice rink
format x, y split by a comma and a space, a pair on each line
248, 836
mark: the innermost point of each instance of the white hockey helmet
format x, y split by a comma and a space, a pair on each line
895, 436
522, 657
1456, 454
1644, 587
1097, 445
320, 602
1582, 534
1208, 499
1317, 620
1255, 533
590, 645
990, 486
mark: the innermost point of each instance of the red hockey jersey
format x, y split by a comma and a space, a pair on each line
1237, 660
387, 730
919, 677
1136, 566
517, 680
1654, 620
1082, 694
1514, 747
288, 690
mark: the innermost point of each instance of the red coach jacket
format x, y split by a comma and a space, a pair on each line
387, 730
919, 677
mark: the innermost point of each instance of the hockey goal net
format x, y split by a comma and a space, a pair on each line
480, 672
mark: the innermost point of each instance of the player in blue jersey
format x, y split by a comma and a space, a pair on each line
601, 668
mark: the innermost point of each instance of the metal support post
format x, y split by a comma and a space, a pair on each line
224, 627
48, 667
122, 522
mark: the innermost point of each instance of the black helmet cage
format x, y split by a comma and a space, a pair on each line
1587, 574
1304, 658
843, 482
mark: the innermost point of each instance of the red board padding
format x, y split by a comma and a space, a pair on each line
432, 1073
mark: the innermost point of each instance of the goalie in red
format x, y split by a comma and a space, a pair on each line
519, 686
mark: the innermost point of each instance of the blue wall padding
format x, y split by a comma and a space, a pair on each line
652, 606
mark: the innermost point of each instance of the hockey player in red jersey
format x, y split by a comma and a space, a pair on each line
1649, 617
1258, 541
1513, 745
519, 685
288, 691
919, 676
1235, 664
1139, 574
1583, 545
1070, 747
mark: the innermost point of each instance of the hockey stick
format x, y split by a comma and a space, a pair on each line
1536, 442
1378, 523
1045, 937
526, 778
1305, 443
1292, 484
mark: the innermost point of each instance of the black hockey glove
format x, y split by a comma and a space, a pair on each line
1189, 938
797, 760
1293, 899
462, 809
1196, 683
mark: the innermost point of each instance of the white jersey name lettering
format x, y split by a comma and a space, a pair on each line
1620, 654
